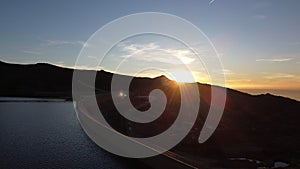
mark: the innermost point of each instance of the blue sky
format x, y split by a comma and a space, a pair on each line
259, 41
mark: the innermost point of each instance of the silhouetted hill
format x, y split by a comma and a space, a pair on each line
263, 127
35, 80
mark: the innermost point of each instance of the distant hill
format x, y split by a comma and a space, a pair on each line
46, 80
35, 80
263, 127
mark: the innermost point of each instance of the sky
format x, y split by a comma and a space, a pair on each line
258, 41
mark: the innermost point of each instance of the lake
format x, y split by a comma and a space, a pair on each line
41, 134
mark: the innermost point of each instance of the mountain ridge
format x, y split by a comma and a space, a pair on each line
48, 65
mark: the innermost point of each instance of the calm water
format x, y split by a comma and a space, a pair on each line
48, 135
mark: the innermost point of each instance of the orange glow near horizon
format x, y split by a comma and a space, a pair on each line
260, 83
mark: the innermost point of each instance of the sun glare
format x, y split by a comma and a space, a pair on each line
182, 76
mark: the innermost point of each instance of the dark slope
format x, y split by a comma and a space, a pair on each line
36, 80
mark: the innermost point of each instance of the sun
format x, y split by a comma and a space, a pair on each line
182, 76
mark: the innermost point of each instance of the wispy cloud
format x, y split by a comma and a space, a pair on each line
274, 60
32, 52
279, 76
259, 17
238, 80
231, 74
92, 57
64, 42
228, 72
154, 53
